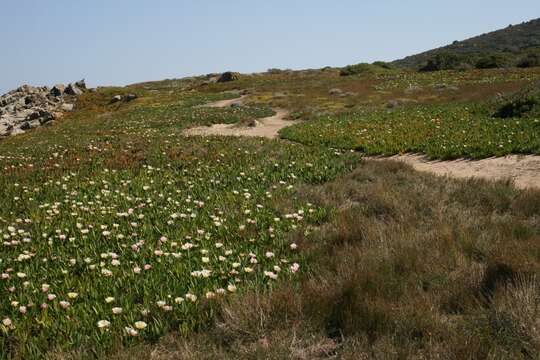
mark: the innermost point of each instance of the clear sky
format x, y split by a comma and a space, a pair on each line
117, 42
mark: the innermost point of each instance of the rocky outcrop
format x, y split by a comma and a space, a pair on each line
228, 76
28, 107
125, 98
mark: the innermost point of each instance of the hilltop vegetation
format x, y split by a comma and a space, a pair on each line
516, 45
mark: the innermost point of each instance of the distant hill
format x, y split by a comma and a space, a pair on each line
514, 39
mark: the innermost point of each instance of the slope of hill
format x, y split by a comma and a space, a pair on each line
119, 231
514, 39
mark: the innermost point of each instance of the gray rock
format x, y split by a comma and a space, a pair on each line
228, 76
72, 89
81, 84
116, 99
58, 90
130, 97
67, 107
25, 125
28, 107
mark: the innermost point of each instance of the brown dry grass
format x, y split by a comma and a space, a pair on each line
410, 266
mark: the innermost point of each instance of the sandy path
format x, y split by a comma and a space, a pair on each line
524, 170
267, 127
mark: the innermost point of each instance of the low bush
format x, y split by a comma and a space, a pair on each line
444, 61
364, 68
531, 60
491, 62
524, 103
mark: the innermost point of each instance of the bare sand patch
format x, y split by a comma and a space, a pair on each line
523, 170
267, 127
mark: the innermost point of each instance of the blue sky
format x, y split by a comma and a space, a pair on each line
117, 42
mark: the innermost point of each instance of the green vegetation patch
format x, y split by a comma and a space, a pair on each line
440, 131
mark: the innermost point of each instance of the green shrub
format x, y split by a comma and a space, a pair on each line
491, 62
521, 104
384, 65
444, 61
363, 68
531, 60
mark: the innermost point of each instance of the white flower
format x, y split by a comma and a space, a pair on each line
131, 331
51, 297
191, 297
295, 267
117, 310
137, 270
109, 299
22, 309
64, 304
45, 287
294, 246
21, 275
7, 322
231, 288
103, 324
106, 272
269, 254
161, 303
270, 274
140, 325
72, 295
179, 300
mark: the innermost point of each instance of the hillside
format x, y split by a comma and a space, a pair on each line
514, 39
125, 236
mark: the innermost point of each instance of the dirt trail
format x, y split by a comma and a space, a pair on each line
266, 127
523, 170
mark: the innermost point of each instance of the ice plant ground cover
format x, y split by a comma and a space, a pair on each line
446, 131
137, 231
